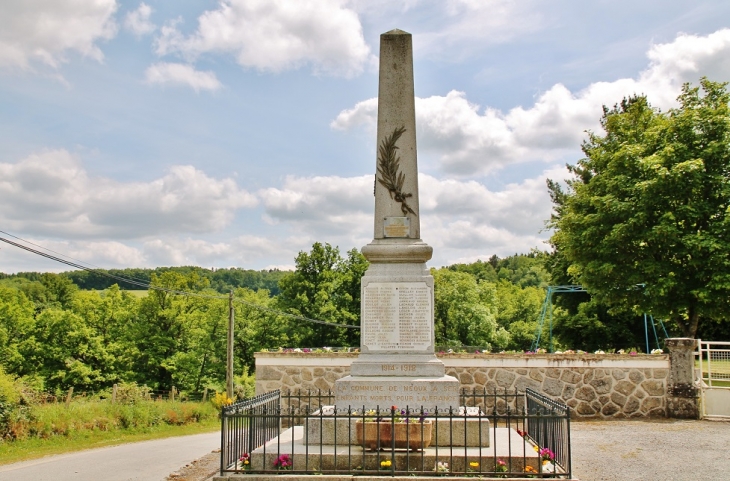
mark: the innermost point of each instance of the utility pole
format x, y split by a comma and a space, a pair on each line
229, 359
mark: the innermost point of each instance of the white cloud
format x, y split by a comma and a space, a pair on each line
181, 74
455, 28
105, 254
45, 30
470, 24
160, 251
276, 35
458, 217
327, 206
362, 114
469, 140
239, 251
138, 21
51, 194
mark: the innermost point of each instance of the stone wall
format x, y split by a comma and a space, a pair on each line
601, 385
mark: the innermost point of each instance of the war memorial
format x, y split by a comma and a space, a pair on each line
397, 412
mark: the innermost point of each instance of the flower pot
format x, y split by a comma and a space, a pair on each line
386, 435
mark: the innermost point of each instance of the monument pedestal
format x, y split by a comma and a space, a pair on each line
397, 365
374, 392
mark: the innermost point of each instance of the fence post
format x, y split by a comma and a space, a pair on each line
172, 394
68, 396
114, 393
205, 394
682, 394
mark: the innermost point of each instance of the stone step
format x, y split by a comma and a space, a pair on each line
509, 447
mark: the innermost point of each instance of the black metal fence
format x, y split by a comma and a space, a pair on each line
248, 424
496, 433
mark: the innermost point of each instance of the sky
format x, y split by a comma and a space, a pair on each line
236, 133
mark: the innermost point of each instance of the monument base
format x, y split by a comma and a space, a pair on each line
451, 431
378, 392
413, 365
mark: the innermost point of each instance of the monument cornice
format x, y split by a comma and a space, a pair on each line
398, 251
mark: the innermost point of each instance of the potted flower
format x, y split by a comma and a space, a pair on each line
402, 430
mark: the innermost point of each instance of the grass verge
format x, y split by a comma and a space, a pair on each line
33, 448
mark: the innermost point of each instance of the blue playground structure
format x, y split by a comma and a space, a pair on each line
547, 311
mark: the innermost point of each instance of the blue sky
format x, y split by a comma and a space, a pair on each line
238, 132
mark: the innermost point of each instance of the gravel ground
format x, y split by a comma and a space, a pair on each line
655, 450
198, 470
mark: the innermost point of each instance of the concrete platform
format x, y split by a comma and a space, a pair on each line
352, 459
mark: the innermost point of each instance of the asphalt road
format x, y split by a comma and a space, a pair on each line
144, 461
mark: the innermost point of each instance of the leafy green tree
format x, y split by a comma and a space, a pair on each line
109, 314
16, 329
524, 270
324, 287
168, 327
590, 326
257, 326
482, 271
59, 290
518, 311
69, 353
644, 223
465, 311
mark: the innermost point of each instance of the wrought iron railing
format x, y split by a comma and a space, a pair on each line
248, 424
551, 427
495, 433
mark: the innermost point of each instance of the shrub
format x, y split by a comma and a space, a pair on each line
220, 400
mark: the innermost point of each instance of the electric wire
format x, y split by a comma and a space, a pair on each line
141, 283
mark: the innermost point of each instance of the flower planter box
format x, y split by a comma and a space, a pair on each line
381, 435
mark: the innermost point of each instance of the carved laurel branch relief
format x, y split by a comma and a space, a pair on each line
388, 168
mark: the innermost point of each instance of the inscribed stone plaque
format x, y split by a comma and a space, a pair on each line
397, 316
396, 227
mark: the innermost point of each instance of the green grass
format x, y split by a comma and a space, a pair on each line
44, 429
720, 369
138, 294
32, 448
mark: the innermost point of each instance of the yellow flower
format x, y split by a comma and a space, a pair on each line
245, 462
530, 469
385, 464
474, 464
536, 448
545, 462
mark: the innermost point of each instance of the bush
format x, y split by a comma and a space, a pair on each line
14, 412
220, 400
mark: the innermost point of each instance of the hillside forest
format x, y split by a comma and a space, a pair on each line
86, 330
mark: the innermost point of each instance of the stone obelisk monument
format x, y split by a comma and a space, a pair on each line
397, 365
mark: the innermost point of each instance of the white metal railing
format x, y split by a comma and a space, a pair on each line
714, 363
714, 377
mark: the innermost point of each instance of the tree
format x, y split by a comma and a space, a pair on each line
258, 327
464, 311
518, 311
324, 287
169, 328
16, 329
644, 224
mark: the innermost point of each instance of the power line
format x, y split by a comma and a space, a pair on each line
140, 283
